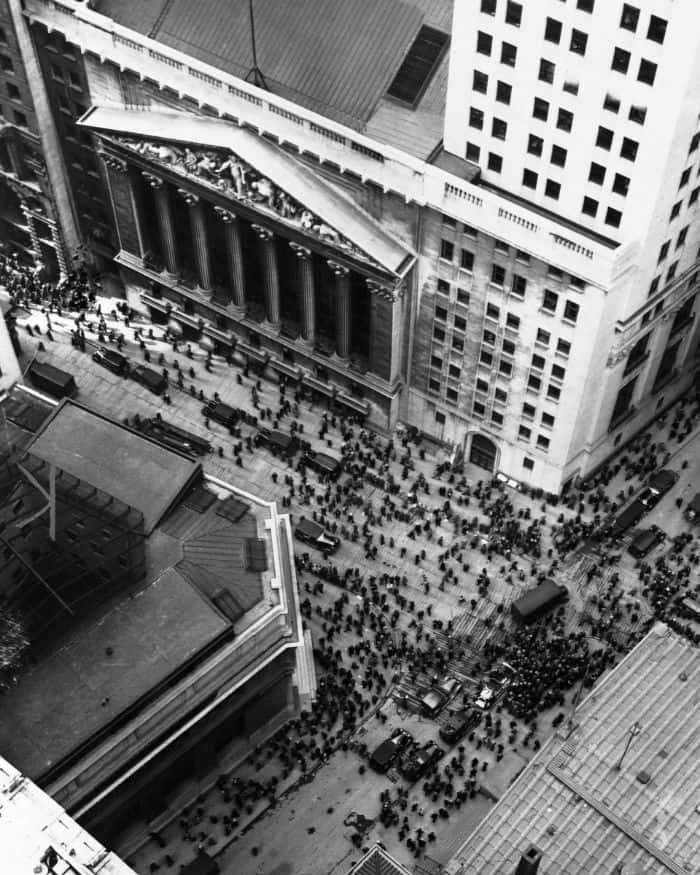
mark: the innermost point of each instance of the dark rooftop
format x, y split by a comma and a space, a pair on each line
114, 459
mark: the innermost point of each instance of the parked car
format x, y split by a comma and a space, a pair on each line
458, 724
449, 685
112, 360
278, 442
385, 754
659, 484
645, 541
54, 381
692, 510
485, 699
153, 380
221, 413
419, 761
312, 533
323, 464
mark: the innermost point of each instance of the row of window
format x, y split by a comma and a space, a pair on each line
18, 117
514, 11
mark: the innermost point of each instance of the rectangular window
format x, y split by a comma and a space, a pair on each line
621, 185
472, 152
596, 173
528, 410
540, 109
466, 260
501, 246
443, 287
558, 156
488, 7
479, 409
499, 128
482, 385
548, 420
492, 311
452, 395
647, 72
553, 392
480, 82
637, 354
460, 323
671, 272
693, 196
623, 401
604, 138
484, 42
524, 432
552, 30
683, 233
503, 92
495, 162
518, 285
571, 311
454, 371
498, 275
538, 362
476, 118
570, 87
534, 383
685, 176
436, 362
434, 385
590, 207
558, 373
528, 464
578, 43
585, 5
550, 301
542, 442
565, 120
612, 104
514, 13
439, 417
629, 149
546, 73
552, 189
534, 145
637, 114
438, 333
630, 17
488, 337
657, 29
500, 395
613, 217
620, 60
675, 210
486, 357
543, 337
694, 143
509, 54
463, 297
529, 178
508, 347
457, 343
13, 91
447, 250
512, 321
505, 368
441, 314
563, 347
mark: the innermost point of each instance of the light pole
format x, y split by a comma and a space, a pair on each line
635, 729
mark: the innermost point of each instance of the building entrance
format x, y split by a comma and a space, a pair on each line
483, 452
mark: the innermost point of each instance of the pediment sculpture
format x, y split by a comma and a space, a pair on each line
225, 172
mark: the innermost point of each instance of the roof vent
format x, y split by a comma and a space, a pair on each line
529, 861
643, 777
682, 676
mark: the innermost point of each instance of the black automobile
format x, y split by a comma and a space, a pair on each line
458, 724
322, 463
154, 381
278, 442
112, 360
312, 533
219, 412
419, 761
645, 541
657, 487
692, 511
385, 754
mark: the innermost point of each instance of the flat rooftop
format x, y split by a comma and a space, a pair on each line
335, 58
621, 790
114, 459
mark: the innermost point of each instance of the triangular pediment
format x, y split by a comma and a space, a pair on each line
247, 168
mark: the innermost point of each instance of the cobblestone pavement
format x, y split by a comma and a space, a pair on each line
300, 834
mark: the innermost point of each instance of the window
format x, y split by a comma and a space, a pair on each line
552, 30
441, 314
495, 162
623, 401
528, 410
550, 301
578, 43
3, 37
6, 64
612, 104
418, 65
498, 275
657, 29
20, 118
524, 432
518, 285
443, 287
438, 333
630, 17
447, 250
542, 442
499, 129
513, 321
553, 392
681, 237
585, 5
508, 347
457, 343
546, 73
483, 43
469, 231
571, 310
488, 7
685, 176
693, 196
637, 114
675, 210
629, 149
460, 323
663, 252
505, 368
558, 156
565, 120
476, 118
434, 385
522, 256
570, 87
596, 173
538, 362
653, 286
489, 337
637, 354
548, 420
534, 383
540, 109
480, 82
479, 409
452, 395
647, 72
436, 362
492, 310
501, 246
671, 272
694, 143
528, 464
509, 54
543, 337
552, 189
613, 217
563, 347
534, 144
449, 221
439, 417
486, 357
683, 316
558, 373
529, 178
466, 261
621, 185
503, 92
472, 152
500, 395
514, 13
590, 207
13, 91
462, 297
620, 60
482, 385
454, 371
604, 138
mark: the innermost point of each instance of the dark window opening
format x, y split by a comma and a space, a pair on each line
419, 64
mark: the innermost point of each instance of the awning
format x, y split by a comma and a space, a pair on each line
284, 368
256, 355
319, 196
318, 386
219, 335
191, 321
150, 301
361, 407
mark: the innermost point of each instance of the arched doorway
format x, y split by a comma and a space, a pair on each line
483, 452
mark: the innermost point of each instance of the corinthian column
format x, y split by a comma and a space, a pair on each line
166, 226
198, 226
342, 309
234, 256
308, 293
270, 274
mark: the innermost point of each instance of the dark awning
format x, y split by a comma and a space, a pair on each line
156, 303
190, 321
257, 355
355, 404
318, 386
220, 336
284, 368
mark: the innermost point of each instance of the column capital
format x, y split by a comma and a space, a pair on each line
389, 293
338, 269
113, 162
263, 233
190, 198
153, 180
299, 250
225, 215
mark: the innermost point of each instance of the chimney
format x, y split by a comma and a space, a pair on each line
529, 862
